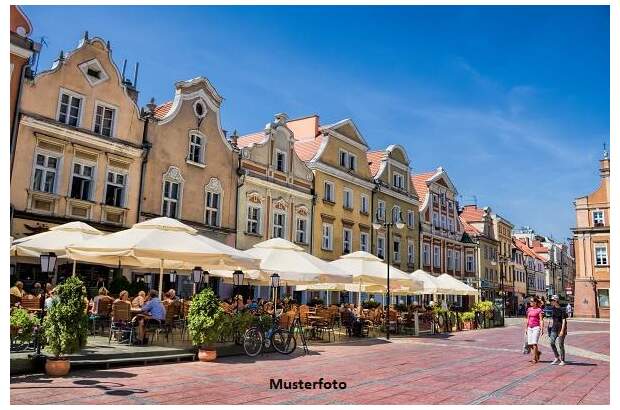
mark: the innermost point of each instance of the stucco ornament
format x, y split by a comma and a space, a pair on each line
214, 185
280, 204
173, 174
279, 120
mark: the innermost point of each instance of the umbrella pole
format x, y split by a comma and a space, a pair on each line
161, 278
74, 266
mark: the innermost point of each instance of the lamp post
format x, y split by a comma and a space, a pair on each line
196, 277
275, 284
173, 279
379, 223
237, 281
147, 279
48, 264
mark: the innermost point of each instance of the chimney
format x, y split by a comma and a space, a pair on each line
234, 138
151, 106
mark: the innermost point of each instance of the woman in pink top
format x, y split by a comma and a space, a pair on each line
534, 325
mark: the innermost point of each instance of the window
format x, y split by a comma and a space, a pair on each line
381, 247
352, 162
348, 160
344, 158
603, 297
364, 241
171, 199
253, 222
457, 260
442, 199
347, 201
436, 256
398, 180
444, 222
115, 189
104, 120
410, 219
279, 223
396, 214
426, 251
381, 210
598, 218
364, 203
435, 219
347, 237
69, 109
280, 161
410, 252
45, 170
451, 224
450, 260
600, 251
469, 263
329, 191
396, 248
81, 181
212, 208
195, 148
328, 235
301, 231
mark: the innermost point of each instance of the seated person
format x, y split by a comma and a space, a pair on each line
50, 300
153, 312
18, 290
172, 294
239, 305
37, 290
103, 294
123, 297
48, 289
251, 305
138, 301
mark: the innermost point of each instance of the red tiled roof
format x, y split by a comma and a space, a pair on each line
374, 161
162, 110
249, 139
469, 229
307, 149
471, 213
419, 183
526, 249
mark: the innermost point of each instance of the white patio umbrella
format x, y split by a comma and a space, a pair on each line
55, 240
431, 284
455, 286
162, 243
294, 265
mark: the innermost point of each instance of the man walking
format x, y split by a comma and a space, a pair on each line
557, 330
569, 310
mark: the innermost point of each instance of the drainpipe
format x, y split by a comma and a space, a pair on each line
146, 147
241, 177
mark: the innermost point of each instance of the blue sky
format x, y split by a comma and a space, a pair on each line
512, 101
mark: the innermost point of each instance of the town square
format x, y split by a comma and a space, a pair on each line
231, 205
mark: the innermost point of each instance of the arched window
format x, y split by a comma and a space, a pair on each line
213, 202
196, 148
172, 193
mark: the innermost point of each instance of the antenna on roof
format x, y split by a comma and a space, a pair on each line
123, 73
135, 76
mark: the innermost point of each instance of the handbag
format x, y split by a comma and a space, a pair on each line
526, 347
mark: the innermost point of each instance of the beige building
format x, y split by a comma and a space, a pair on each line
78, 146
394, 198
191, 168
592, 248
503, 233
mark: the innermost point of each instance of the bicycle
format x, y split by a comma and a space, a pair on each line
256, 339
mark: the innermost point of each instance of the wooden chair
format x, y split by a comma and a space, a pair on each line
102, 315
120, 323
166, 327
31, 303
14, 300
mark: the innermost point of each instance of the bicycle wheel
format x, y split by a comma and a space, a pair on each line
253, 341
283, 341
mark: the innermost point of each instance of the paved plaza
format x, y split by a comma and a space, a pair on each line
473, 367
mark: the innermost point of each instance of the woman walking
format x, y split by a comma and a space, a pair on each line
534, 325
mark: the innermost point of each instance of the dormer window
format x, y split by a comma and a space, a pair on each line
598, 218
280, 161
93, 71
398, 180
348, 160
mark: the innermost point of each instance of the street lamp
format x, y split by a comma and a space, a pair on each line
237, 282
147, 279
397, 221
196, 277
48, 264
275, 284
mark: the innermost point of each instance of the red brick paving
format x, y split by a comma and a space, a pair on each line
475, 367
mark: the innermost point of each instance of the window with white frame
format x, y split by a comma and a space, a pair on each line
364, 203
451, 224
381, 210
347, 199
352, 162
436, 256
410, 219
469, 263
396, 214
82, 181
116, 183
426, 254
444, 222
410, 252
329, 191
450, 260
347, 240
279, 224
45, 172
213, 208
598, 218
457, 260
253, 219
600, 252
436, 219
171, 199
69, 108
196, 143
398, 180
364, 238
603, 297
280, 161
396, 248
104, 120
301, 231
347, 160
328, 237
442, 199
380, 247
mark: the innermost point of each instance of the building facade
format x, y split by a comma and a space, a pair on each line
591, 241
190, 173
503, 233
394, 198
534, 267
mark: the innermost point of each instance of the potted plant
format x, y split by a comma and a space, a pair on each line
22, 326
468, 320
204, 321
65, 325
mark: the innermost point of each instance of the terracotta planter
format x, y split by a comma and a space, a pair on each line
467, 325
57, 367
207, 354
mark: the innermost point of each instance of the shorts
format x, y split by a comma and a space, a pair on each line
533, 334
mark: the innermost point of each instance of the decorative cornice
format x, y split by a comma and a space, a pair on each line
328, 169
